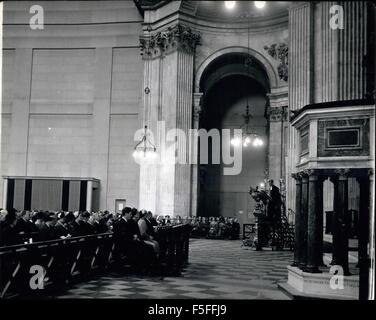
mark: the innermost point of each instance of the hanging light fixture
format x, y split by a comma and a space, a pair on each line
145, 149
249, 136
230, 4
260, 4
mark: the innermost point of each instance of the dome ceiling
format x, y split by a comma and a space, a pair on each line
216, 11
243, 10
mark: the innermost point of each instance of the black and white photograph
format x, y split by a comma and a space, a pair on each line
188, 154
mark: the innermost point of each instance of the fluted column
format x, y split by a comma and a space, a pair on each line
300, 80
340, 65
313, 222
297, 224
303, 222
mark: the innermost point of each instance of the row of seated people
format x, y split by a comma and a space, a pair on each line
215, 227
19, 227
206, 227
133, 231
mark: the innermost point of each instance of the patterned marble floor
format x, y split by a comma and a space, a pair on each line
218, 269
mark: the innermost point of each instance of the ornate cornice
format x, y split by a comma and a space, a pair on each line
177, 37
280, 52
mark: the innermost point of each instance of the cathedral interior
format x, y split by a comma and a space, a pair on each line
245, 128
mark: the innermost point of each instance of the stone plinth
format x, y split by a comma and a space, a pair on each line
317, 285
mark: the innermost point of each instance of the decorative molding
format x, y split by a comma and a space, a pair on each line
280, 52
177, 37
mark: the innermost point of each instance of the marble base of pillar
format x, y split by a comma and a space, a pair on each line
318, 285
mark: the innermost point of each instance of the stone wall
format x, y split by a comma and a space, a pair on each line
72, 94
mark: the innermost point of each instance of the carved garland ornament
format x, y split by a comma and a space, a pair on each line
280, 52
175, 37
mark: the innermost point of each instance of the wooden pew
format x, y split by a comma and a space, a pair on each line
66, 261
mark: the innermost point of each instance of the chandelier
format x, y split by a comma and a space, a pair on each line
145, 149
249, 136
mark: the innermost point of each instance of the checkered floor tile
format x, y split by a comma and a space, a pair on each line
218, 269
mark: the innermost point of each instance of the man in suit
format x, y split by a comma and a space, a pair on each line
81, 226
128, 240
25, 227
274, 205
8, 233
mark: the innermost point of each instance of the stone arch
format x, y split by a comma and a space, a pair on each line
270, 71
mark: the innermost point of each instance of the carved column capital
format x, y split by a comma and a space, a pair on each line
297, 176
342, 173
277, 113
177, 37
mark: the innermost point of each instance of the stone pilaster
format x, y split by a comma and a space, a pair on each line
278, 116
101, 122
19, 131
168, 189
195, 184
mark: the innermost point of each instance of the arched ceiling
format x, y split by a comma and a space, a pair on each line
232, 64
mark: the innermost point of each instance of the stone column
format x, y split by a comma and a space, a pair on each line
297, 226
363, 236
313, 222
89, 195
303, 222
320, 221
335, 229
176, 46
341, 214
371, 290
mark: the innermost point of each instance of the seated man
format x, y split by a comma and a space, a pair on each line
63, 228
80, 226
25, 227
8, 232
128, 241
